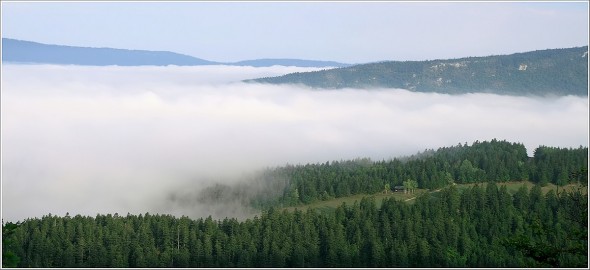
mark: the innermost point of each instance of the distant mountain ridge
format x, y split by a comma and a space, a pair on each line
32, 52
289, 62
542, 72
28, 52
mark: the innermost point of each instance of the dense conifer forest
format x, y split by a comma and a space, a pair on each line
483, 225
494, 160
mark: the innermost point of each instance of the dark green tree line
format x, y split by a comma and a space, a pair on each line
496, 161
481, 226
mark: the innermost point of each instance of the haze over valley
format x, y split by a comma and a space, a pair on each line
88, 140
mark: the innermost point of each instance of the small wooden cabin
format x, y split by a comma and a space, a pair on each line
398, 188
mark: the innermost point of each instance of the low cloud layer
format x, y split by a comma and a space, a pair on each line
88, 140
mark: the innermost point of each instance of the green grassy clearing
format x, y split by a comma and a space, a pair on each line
333, 203
329, 205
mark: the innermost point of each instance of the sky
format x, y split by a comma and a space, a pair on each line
349, 32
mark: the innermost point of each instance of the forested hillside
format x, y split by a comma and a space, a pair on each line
495, 160
483, 226
553, 71
479, 226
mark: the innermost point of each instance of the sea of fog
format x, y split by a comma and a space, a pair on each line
88, 140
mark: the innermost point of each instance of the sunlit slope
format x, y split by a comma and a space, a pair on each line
542, 72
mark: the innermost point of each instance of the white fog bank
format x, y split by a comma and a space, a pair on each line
88, 140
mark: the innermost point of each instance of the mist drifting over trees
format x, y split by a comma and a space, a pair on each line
78, 139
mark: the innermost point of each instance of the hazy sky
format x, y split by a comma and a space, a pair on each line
352, 32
